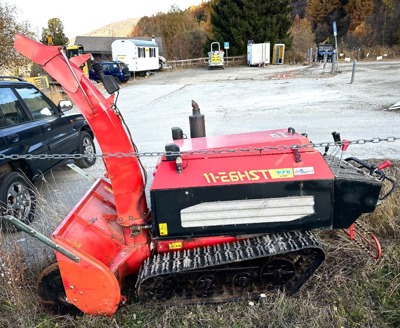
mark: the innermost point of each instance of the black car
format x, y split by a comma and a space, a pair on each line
30, 123
117, 69
325, 50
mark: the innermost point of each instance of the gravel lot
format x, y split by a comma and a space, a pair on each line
243, 99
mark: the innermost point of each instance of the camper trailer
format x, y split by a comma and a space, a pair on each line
138, 55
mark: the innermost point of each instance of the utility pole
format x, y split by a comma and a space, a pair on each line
336, 50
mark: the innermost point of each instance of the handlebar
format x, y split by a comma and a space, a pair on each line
377, 171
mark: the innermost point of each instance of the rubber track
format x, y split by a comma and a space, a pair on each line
244, 251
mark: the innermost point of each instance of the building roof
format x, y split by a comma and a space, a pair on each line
101, 45
140, 43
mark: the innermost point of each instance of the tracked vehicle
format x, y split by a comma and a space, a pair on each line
230, 216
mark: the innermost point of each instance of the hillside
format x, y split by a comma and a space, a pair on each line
120, 28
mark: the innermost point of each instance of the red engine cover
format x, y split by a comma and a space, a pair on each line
211, 164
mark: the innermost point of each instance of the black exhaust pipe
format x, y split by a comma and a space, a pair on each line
197, 122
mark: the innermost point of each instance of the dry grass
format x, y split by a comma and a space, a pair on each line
371, 53
349, 290
55, 95
295, 56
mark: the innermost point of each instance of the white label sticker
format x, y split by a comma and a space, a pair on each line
304, 170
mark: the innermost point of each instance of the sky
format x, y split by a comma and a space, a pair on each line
82, 16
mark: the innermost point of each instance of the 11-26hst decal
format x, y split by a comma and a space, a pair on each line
256, 175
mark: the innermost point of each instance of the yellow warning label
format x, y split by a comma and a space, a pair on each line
163, 227
215, 59
281, 173
175, 245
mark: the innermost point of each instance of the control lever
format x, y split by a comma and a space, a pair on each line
336, 136
326, 151
379, 170
337, 140
344, 145
384, 165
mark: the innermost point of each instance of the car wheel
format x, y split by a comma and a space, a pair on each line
86, 147
161, 65
17, 198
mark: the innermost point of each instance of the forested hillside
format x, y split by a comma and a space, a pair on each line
360, 22
299, 24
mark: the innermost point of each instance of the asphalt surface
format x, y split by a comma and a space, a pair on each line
241, 99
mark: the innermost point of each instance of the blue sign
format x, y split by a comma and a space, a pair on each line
226, 45
334, 29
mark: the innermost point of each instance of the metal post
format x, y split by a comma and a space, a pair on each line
316, 55
333, 63
325, 59
353, 71
336, 54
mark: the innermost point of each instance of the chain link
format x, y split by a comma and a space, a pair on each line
257, 150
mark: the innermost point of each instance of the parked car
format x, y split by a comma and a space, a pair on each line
118, 69
325, 50
31, 124
162, 62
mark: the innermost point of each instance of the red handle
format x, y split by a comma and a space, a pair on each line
384, 165
345, 144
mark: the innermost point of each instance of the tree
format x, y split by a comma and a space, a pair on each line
315, 12
299, 8
384, 22
302, 35
322, 14
318, 11
239, 21
10, 60
55, 30
359, 11
360, 31
184, 33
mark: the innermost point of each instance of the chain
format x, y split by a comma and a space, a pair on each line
258, 150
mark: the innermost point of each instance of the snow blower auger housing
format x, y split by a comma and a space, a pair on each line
231, 216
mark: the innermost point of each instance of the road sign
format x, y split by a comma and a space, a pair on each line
334, 29
226, 45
